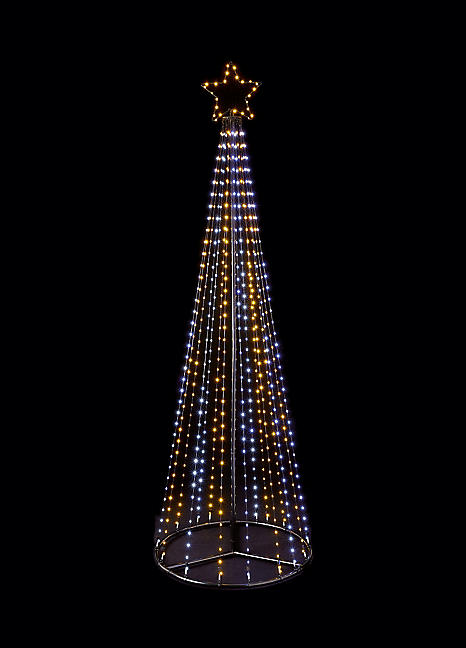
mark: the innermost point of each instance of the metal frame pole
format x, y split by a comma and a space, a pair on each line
232, 124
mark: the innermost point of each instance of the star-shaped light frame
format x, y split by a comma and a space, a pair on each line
231, 94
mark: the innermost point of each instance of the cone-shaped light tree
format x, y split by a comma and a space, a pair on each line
233, 512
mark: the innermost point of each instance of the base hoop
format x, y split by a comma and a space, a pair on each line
252, 554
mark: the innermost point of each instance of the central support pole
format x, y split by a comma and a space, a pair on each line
233, 123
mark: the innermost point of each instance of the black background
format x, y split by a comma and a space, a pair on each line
321, 153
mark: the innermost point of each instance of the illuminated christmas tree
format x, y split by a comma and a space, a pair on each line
233, 513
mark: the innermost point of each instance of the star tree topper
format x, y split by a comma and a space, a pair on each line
231, 94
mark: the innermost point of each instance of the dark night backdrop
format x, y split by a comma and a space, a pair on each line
319, 158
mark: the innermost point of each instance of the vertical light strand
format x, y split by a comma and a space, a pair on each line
273, 414
212, 314
214, 403
251, 287
223, 327
242, 337
214, 426
197, 390
167, 512
277, 368
282, 418
209, 266
253, 426
236, 293
192, 409
251, 422
272, 434
269, 409
242, 379
234, 348
248, 425
262, 369
244, 394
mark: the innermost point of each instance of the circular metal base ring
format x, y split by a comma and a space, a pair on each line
252, 554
